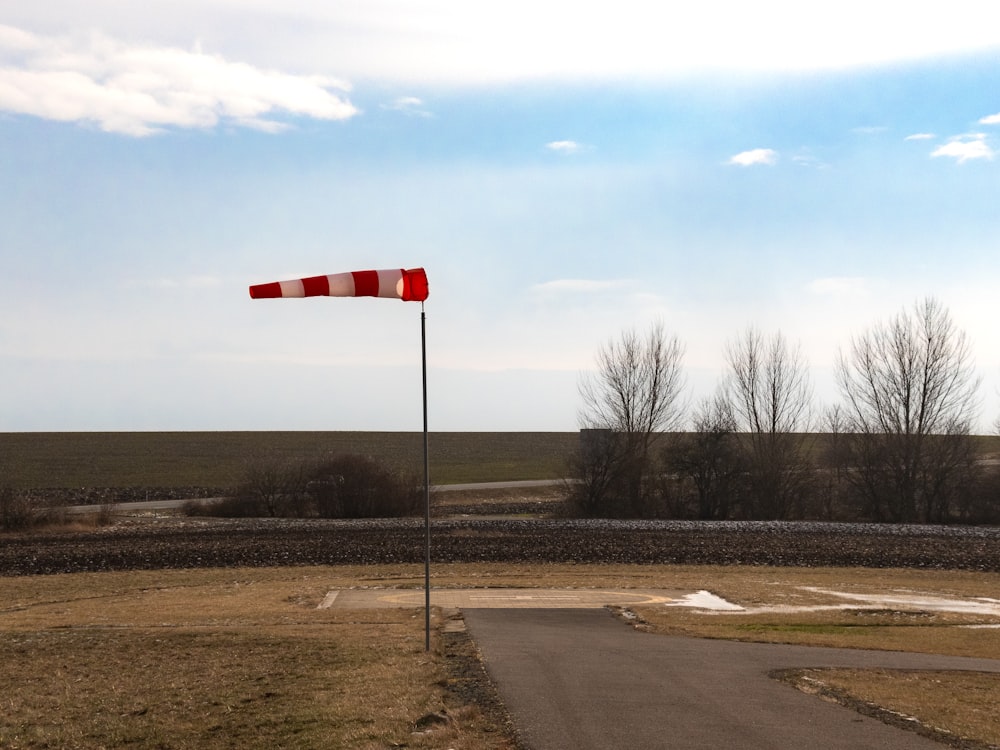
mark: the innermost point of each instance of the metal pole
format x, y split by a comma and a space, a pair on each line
427, 490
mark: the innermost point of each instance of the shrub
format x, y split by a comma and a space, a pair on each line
980, 504
192, 508
344, 486
16, 511
269, 487
352, 486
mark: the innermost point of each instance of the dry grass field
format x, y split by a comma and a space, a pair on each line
219, 659
243, 658
218, 459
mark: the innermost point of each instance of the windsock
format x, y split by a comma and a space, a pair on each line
407, 285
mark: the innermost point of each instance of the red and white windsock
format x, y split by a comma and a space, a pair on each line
398, 283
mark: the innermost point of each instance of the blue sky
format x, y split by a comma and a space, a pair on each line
562, 173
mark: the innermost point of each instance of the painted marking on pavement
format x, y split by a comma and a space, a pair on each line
468, 598
328, 600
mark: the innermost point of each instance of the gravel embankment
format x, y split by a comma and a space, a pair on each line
188, 543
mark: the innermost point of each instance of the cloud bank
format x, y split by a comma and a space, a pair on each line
141, 90
456, 42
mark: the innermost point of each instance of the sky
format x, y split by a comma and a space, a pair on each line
563, 171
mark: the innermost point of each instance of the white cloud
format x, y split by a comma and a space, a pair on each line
409, 105
564, 147
805, 158
990, 119
754, 157
920, 137
140, 90
966, 147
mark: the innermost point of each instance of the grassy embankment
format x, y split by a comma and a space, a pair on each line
218, 459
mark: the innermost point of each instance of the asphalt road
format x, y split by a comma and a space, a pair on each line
576, 679
151, 505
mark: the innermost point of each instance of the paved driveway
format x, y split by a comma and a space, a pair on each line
576, 679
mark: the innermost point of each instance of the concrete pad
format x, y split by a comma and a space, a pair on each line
498, 598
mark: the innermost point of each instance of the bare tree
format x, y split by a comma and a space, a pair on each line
708, 459
634, 396
835, 459
911, 395
771, 398
270, 486
595, 468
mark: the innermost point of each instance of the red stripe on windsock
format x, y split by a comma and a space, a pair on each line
265, 291
316, 286
415, 287
365, 283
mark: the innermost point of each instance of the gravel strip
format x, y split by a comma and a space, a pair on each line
188, 543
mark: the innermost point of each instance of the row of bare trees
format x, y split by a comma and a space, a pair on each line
898, 448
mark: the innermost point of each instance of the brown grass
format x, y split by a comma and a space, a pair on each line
242, 658
952, 705
217, 659
219, 459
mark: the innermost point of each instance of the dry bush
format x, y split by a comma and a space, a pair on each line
15, 510
20, 512
344, 486
352, 486
980, 504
